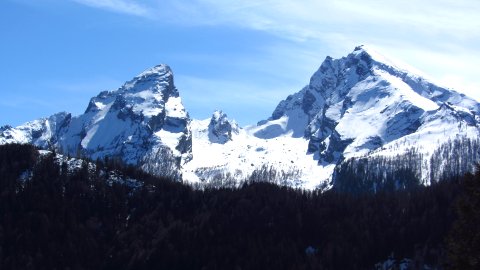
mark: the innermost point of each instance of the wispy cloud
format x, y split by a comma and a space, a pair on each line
320, 21
316, 20
310, 18
410, 30
121, 6
440, 37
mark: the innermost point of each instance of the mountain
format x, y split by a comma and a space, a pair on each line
358, 106
142, 123
361, 105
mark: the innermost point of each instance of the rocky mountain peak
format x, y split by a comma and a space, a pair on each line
143, 123
221, 128
363, 101
145, 95
336, 76
156, 71
157, 79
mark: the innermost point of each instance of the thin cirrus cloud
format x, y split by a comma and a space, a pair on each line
311, 17
329, 22
446, 21
410, 30
120, 6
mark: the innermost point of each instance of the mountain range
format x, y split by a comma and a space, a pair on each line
358, 106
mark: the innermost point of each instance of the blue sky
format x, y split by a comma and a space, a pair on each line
239, 56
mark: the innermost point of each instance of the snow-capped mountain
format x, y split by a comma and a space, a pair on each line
358, 105
142, 123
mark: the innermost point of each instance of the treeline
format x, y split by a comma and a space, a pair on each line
374, 174
452, 160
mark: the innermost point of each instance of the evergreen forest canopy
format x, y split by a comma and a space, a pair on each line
53, 217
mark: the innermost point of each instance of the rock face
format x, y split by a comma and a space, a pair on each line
221, 128
142, 123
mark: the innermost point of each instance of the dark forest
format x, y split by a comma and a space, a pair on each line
55, 218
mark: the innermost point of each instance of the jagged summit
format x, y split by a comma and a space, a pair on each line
220, 128
158, 70
390, 63
158, 79
376, 56
146, 92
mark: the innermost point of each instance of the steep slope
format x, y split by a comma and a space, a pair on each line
142, 123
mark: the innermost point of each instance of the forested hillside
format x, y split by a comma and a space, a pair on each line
451, 160
55, 217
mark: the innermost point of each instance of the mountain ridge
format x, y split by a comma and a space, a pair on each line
354, 106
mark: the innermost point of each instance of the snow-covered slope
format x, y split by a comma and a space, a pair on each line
235, 159
142, 123
358, 105
42, 132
